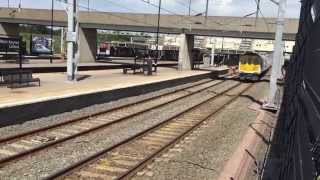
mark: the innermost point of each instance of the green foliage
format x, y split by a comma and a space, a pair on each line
38, 29
101, 37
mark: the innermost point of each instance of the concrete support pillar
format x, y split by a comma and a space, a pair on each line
185, 52
274, 96
9, 29
87, 44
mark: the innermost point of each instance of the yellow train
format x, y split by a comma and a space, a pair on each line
253, 65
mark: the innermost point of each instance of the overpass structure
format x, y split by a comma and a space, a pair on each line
186, 26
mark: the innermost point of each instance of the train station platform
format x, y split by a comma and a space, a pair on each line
57, 95
58, 65
130, 61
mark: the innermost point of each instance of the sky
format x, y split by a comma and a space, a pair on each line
216, 7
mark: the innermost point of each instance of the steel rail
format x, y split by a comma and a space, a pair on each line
173, 142
91, 130
68, 170
31, 132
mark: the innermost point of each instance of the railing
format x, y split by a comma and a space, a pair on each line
295, 150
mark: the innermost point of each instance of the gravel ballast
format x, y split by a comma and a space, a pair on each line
202, 155
45, 163
46, 121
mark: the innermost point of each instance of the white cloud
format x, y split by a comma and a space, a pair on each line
222, 7
223, 2
216, 7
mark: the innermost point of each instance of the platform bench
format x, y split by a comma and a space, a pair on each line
142, 65
196, 64
18, 78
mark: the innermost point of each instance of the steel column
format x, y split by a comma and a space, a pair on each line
206, 13
70, 51
158, 31
52, 6
273, 101
189, 7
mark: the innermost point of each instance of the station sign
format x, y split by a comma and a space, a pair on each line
71, 37
9, 44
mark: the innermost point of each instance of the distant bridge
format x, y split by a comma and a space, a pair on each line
172, 24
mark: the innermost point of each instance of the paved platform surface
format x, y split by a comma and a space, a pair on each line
56, 63
37, 63
55, 85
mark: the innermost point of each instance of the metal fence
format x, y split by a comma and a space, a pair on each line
295, 150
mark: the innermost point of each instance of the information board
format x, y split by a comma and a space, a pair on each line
41, 44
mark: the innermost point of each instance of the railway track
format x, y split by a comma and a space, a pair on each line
124, 159
22, 145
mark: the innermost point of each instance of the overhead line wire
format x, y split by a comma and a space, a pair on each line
189, 18
264, 19
110, 14
120, 5
164, 9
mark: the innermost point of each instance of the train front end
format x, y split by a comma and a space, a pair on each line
249, 67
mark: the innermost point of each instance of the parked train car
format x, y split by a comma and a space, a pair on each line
253, 65
121, 49
198, 54
168, 55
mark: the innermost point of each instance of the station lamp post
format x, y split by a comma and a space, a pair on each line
71, 39
157, 41
52, 50
257, 12
88, 5
189, 7
206, 13
20, 6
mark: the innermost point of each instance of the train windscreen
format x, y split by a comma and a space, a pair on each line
250, 64
250, 59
